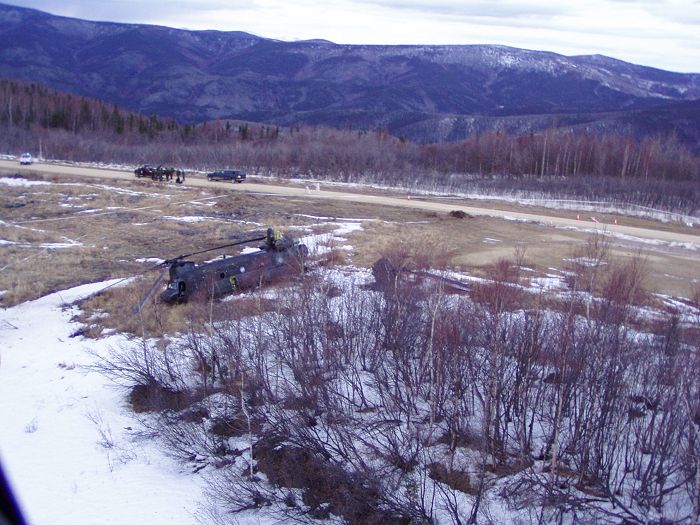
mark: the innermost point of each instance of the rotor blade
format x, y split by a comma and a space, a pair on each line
130, 277
170, 261
150, 291
450, 282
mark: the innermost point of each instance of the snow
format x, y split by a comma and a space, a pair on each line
60, 245
66, 439
47, 245
687, 313
7, 181
99, 210
150, 260
322, 218
547, 283
321, 244
191, 219
69, 443
585, 261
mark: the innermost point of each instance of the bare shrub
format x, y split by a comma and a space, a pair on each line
586, 264
407, 404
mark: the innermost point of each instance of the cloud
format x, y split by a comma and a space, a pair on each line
135, 11
482, 9
658, 33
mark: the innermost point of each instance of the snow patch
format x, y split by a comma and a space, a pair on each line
151, 260
322, 244
585, 261
17, 182
69, 444
191, 219
547, 283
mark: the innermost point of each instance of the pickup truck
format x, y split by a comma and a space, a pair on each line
227, 174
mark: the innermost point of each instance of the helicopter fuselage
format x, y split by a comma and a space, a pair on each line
231, 274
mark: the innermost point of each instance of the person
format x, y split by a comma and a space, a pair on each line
273, 238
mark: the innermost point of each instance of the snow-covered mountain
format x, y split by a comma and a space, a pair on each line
203, 75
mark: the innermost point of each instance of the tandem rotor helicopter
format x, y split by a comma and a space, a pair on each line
279, 256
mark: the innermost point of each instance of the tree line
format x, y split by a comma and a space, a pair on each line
74, 128
35, 106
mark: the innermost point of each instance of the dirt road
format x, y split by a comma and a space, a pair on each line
310, 192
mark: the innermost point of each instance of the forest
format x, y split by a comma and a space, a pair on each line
657, 171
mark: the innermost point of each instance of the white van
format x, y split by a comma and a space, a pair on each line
26, 158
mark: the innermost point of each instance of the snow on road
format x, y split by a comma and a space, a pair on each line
67, 441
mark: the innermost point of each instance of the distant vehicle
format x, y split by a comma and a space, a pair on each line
25, 159
160, 173
227, 174
144, 171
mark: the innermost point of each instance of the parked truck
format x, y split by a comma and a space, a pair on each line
227, 174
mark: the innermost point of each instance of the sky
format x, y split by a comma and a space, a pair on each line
657, 33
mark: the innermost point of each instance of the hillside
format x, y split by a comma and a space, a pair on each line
340, 396
425, 93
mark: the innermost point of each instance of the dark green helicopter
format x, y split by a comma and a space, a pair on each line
278, 257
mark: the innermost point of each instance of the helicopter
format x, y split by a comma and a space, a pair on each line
278, 257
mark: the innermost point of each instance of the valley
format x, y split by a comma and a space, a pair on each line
474, 297
92, 235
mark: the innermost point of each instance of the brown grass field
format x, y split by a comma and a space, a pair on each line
69, 231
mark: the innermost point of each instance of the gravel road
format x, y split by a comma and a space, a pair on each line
310, 192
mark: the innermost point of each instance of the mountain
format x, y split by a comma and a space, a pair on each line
422, 92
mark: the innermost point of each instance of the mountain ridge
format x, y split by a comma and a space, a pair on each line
195, 76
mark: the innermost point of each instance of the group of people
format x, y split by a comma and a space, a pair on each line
169, 172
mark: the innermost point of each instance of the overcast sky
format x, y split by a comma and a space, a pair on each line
657, 33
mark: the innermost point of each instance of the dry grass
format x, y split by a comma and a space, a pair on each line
115, 309
126, 224
114, 225
473, 244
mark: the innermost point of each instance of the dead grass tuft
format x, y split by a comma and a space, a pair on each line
456, 479
116, 308
155, 398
